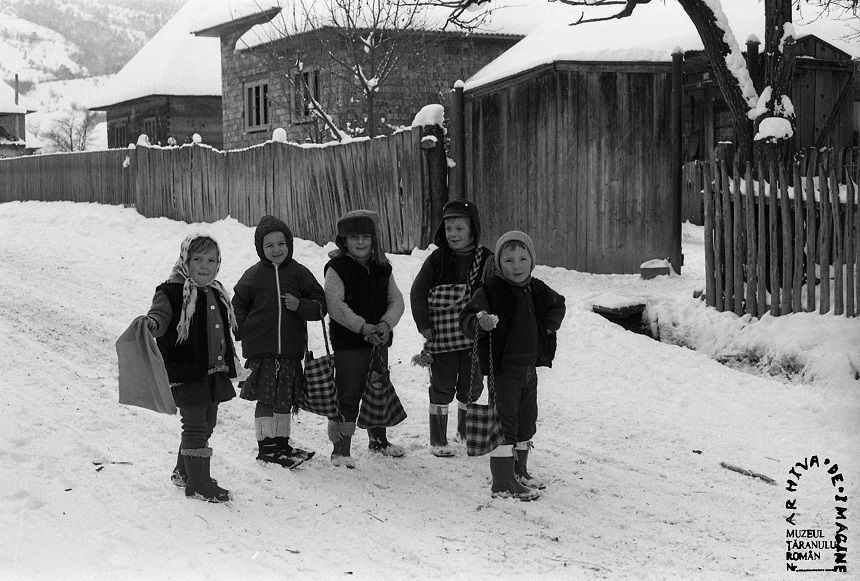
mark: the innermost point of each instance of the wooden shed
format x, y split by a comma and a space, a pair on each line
579, 155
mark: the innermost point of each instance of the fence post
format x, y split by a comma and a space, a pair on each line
457, 133
437, 173
676, 257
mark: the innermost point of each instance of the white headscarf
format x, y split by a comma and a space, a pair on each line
179, 273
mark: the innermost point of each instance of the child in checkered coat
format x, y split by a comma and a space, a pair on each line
273, 301
445, 283
520, 315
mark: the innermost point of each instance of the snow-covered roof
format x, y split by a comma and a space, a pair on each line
500, 17
33, 142
7, 101
174, 62
651, 34
224, 12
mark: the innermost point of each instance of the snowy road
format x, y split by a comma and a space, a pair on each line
630, 438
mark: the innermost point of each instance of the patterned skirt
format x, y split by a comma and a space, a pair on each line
274, 381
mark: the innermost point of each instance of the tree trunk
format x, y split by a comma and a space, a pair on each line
371, 114
717, 49
779, 67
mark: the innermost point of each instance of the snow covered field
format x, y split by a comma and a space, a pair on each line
630, 437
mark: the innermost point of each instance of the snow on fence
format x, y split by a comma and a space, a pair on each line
308, 187
775, 241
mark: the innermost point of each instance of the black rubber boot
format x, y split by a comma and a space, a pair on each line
283, 448
179, 476
439, 436
200, 484
505, 484
378, 442
269, 454
521, 469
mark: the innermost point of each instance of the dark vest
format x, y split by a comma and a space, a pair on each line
365, 292
189, 360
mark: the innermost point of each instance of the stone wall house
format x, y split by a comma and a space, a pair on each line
260, 93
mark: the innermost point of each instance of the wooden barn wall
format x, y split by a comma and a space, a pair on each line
580, 160
815, 95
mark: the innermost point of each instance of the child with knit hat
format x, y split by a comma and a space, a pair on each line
520, 315
447, 280
191, 318
273, 300
364, 305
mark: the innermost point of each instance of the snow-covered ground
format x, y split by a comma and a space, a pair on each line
630, 437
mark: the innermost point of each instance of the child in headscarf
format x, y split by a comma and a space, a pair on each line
191, 318
520, 315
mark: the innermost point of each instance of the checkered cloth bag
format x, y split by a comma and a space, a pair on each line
380, 406
483, 428
445, 302
319, 393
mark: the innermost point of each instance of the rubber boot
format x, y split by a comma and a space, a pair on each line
378, 442
200, 484
505, 484
268, 453
461, 423
439, 431
283, 448
340, 434
521, 462
179, 477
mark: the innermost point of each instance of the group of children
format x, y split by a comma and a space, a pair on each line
463, 293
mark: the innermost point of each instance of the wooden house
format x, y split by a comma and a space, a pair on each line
170, 90
13, 113
822, 93
260, 95
575, 134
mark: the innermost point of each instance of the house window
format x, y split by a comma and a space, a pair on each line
150, 128
257, 106
120, 135
724, 129
307, 90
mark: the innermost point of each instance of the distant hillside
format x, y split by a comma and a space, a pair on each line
62, 39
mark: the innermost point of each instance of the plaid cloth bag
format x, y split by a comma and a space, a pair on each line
445, 303
380, 406
319, 393
483, 428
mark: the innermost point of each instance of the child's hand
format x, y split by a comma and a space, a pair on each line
291, 302
486, 321
383, 331
370, 334
151, 324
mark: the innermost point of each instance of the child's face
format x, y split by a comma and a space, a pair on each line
360, 246
275, 247
203, 267
516, 264
458, 232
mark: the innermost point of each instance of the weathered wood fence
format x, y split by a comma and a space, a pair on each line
398, 176
777, 239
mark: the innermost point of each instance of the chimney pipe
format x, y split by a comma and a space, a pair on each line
16, 88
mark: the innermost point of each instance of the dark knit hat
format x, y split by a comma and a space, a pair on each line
267, 225
515, 236
458, 209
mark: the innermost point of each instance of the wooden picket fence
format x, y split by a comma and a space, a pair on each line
785, 239
398, 176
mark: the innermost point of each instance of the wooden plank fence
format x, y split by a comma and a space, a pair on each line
308, 187
776, 238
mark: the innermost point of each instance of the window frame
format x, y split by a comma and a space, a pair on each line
302, 85
256, 106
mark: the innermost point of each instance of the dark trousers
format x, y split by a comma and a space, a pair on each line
516, 403
198, 423
350, 374
451, 374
